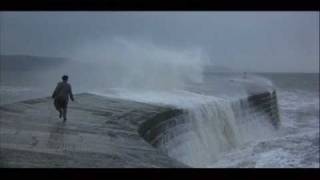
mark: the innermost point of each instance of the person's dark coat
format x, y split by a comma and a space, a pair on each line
61, 95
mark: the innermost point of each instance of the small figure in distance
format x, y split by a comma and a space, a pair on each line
61, 97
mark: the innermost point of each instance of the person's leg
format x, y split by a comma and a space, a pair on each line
58, 107
60, 113
65, 114
64, 107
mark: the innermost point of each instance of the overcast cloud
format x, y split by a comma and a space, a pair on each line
256, 41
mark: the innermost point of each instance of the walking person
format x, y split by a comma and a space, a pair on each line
61, 97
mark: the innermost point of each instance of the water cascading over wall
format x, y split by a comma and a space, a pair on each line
197, 135
197, 132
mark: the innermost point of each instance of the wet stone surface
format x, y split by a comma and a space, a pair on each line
100, 132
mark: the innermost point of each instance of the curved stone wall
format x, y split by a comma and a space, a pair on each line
266, 103
172, 126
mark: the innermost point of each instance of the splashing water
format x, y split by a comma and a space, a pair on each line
159, 75
142, 65
209, 129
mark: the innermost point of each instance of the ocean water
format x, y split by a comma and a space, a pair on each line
241, 145
251, 143
296, 143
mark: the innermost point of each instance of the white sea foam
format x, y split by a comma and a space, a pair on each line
212, 126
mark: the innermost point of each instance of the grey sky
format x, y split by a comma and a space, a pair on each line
257, 41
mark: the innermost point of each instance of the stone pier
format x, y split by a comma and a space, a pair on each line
100, 133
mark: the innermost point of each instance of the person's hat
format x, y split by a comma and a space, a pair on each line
64, 77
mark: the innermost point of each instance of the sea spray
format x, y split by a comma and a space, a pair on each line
213, 132
209, 121
144, 72
139, 64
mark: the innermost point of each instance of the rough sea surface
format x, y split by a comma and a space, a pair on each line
296, 144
